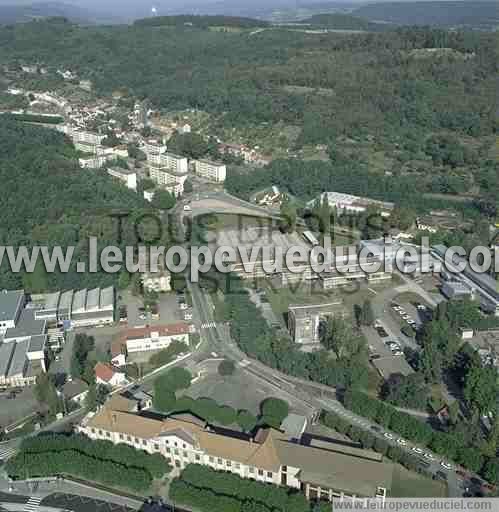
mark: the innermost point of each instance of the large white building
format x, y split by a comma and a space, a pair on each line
214, 171
321, 469
168, 170
144, 339
127, 176
347, 203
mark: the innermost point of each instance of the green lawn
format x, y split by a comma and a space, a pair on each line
408, 484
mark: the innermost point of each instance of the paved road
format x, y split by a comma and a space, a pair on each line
311, 394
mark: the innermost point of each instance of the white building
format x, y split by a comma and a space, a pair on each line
144, 339
168, 170
127, 176
214, 171
108, 375
347, 203
322, 469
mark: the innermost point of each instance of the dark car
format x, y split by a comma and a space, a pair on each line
376, 428
440, 475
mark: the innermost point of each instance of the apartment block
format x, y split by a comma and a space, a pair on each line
166, 169
127, 176
214, 171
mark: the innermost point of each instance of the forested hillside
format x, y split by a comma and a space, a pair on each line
47, 199
471, 13
326, 84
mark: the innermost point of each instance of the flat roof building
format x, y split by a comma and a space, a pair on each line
304, 320
26, 327
11, 304
214, 171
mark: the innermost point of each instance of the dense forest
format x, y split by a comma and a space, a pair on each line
326, 84
48, 200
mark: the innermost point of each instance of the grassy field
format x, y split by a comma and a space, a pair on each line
409, 484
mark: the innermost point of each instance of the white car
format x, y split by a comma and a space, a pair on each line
411, 322
428, 456
415, 449
388, 435
445, 465
407, 317
398, 353
187, 208
403, 442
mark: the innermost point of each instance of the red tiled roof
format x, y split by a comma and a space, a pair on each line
104, 371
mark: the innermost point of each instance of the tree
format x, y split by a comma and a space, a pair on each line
339, 337
273, 411
82, 346
246, 420
163, 200
288, 216
480, 389
226, 368
46, 393
367, 315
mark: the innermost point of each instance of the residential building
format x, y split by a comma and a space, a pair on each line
158, 337
118, 353
127, 176
320, 469
75, 391
108, 375
304, 321
166, 169
214, 171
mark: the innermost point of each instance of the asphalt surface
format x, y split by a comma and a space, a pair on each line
313, 395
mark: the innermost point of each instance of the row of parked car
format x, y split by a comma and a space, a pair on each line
403, 313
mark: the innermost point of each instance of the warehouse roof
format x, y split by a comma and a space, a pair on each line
27, 325
10, 302
18, 361
6, 351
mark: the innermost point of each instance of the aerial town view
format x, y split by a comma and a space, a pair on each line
249, 255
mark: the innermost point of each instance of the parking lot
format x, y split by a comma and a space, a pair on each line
169, 311
15, 409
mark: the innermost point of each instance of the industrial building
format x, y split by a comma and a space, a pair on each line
483, 284
82, 308
11, 305
22, 348
320, 468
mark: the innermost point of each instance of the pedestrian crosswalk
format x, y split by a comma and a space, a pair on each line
6, 452
33, 504
208, 325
